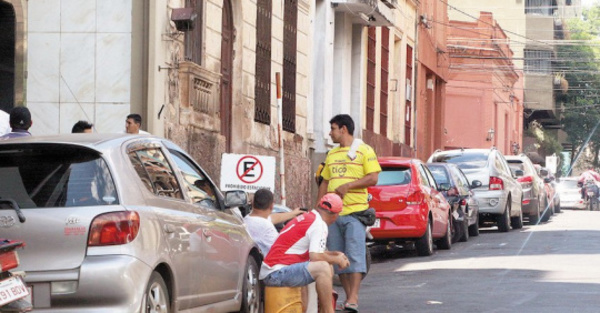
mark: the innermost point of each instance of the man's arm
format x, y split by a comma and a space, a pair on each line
331, 257
277, 218
322, 190
367, 181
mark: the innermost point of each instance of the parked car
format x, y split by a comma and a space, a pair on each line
455, 187
122, 223
500, 195
409, 206
570, 193
535, 197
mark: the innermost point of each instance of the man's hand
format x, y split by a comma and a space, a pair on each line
342, 190
340, 259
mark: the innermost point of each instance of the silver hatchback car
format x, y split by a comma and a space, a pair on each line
500, 195
121, 223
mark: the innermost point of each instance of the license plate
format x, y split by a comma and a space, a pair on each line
12, 289
377, 223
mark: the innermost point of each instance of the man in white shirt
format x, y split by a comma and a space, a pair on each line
4, 123
260, 222
133, 124
298, 256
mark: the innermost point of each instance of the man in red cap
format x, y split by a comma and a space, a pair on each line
298, 256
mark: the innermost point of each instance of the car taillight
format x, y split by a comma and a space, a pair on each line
115, 228
8, 260
496, 183
414, 198
525, 179
463, 202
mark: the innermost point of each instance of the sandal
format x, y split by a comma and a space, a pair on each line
351, 307
340, 306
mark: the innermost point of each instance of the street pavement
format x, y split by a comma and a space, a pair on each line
551, 267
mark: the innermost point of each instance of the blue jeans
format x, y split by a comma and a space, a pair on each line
295, 275
348, 235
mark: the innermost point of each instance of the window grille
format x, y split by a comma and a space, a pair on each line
262, 88
289, 64
371, 64
538, 61
383, 93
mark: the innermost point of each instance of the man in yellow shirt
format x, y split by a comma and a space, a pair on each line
349, 169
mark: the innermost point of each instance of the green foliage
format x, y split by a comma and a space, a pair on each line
548, 143
582, 101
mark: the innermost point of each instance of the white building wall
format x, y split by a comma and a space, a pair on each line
79, 64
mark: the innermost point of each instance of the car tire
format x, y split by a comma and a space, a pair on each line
445, 242
252, 290
156, 299
474, 229
557, 208
504, 219
535, 217
517, 222
424, 245
547, 212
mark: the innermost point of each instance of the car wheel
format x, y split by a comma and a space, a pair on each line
474, 229
557, 207
517, 222
156, 299
504, 219
547, 211
465, 229
534, 218
446, 241
424, 244
251, 292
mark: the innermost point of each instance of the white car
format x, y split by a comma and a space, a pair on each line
570, 194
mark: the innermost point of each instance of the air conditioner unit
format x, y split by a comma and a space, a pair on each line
390, 3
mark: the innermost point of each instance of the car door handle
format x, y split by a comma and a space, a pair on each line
169, 228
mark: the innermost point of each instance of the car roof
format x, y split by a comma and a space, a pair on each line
94, 140
395, 161
474, 150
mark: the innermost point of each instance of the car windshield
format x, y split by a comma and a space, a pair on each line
464, 160
394, 176
39, 176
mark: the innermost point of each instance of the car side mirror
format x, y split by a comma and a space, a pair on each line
444, 187
476, 184
547, 180
579, 184
519, 173
235, 198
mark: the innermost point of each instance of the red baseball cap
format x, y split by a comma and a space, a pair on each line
331, 202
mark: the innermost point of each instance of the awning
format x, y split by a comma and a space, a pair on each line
367, 12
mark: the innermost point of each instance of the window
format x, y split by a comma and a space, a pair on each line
48, 176
197, 186
538, 61
155, 172
440, 175
394, 176
262, 88
424, 178
540, 7
289, 65
193, 38
371, 68
383, 93
408, 104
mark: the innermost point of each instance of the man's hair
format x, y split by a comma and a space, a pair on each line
135, 117
80, 126
263, 198
20, 118
343, 120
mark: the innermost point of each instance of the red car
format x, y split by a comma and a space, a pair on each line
409, 206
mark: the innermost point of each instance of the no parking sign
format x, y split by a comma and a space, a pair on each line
247, 172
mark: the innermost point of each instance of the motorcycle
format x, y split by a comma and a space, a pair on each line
592, 193
12, 289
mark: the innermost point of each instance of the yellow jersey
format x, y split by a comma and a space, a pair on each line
340, 169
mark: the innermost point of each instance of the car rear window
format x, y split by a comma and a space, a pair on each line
519, 165
394, 176
464, 160
439, 173
43, 175
569, 184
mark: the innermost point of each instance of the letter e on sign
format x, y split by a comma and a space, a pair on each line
249, 169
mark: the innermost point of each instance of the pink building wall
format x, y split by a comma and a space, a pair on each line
484, 91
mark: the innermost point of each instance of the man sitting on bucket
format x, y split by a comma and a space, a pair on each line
298, 256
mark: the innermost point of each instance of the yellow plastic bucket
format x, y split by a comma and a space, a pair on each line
283, 300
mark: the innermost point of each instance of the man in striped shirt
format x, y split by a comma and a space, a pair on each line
349, 169
298, 256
